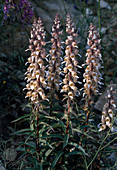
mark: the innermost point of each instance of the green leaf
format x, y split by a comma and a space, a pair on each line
78, 146
22, 155
75, 153
44, 141
21, 166
22, 149
31, 145
48, 152
20, 132
66, 140
79, 131
30, 134
22, 117
57, 158
53, 136
58, 125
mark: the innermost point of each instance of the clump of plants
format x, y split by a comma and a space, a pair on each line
63, 134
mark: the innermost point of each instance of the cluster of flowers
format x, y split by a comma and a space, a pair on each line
20, 9
71, 64
35, 74
92, 75
36, 71
55, 57
109, 109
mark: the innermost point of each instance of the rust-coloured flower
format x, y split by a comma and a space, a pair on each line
109, 109
55, 56
92, 75
71, 64
35, 74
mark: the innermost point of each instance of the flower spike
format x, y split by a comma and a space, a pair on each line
55, 56
109, 109
71, 64
35, 74
92, 75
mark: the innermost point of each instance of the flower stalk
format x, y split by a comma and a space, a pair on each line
55, 61
35, 74
92, 75
70, 69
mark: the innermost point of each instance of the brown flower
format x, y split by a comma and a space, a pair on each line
109, 109
92, 75
71, 64
35, 74
55, 56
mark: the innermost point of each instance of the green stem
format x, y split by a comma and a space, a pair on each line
67, 128
85, 161
33, 117
88, 113
108, 143
99, 149
51, 103
37, 140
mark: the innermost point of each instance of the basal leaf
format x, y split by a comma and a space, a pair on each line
57, 158
75, 153
20, 118
66, 140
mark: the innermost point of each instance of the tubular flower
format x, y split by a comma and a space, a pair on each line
92, 75
108, 113
55, 56
70, 69
35, 74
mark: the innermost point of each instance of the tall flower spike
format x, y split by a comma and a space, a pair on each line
92, 75
109, 109
55, 56
35, 74
55, 60
71, 65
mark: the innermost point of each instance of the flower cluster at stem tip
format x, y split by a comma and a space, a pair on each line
92, 75
55, 57
109, 109
35, 74
71, 64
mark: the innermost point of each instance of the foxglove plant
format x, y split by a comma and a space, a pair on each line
55, 60
35, 74
70, 69
92, 75
109, 109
